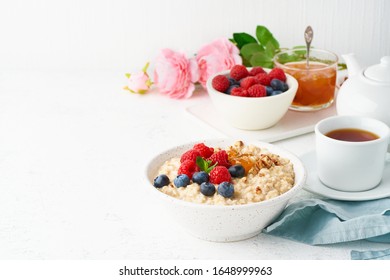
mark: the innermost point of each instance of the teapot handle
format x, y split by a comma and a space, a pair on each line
352, 64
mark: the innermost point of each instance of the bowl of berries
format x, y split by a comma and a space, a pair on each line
252, 98
222, 189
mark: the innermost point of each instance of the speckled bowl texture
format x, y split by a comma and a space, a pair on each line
217, 222
249, 113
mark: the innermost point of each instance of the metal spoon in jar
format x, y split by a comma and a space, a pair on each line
308, 39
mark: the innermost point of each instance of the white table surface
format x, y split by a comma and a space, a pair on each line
73, 148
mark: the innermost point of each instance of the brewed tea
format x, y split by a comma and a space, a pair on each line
352, 135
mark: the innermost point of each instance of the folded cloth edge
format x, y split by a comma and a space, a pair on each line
330, 208
371, 255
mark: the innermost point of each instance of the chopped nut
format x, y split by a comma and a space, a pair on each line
239, 144
267, 161
276, 160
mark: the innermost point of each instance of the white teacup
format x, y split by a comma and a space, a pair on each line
347, 165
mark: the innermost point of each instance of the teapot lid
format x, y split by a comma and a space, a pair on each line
379, 72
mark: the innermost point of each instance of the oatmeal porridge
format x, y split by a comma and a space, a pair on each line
238, 174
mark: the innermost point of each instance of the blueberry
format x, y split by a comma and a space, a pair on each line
226, 189
233, 81
181, 180
229, 90
277, 84
200, 177
237, 171
276, 92
285, 87
161, 181
269, 90
207, 189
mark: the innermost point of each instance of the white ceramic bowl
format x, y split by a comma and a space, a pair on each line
252, 113
218, 222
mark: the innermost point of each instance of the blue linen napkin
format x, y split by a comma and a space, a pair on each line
316, 221
371, 255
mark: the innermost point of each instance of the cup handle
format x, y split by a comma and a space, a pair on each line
387, 158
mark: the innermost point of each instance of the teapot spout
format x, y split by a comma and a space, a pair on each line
352, 64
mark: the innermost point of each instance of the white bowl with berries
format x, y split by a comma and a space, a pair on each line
225, 190
252, 98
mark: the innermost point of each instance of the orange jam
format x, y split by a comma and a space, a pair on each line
242, 159
316, 85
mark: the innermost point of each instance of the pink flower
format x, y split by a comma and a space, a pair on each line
139, 82
175, 74
217, 56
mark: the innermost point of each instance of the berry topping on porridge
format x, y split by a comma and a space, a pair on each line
238, 174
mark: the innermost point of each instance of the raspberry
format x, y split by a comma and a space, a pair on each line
263, 79
229, 90
220, 174
190, 155
220, 83
257, 91
221, 158
203, 150
248, 82
239, 72
256, 70
239, 91
277, 73
188, 167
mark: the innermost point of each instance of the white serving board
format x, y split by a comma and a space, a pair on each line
292, 124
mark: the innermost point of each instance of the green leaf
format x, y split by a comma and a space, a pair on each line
211, 167
262, 59
301, 53
270, 49
249, 49
204, 165
246, 62
243, 38
285, 58
299, 47
145, 69
342, 66
265, 36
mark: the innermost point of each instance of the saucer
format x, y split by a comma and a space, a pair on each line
314, 185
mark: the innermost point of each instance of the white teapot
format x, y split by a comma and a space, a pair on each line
366, 92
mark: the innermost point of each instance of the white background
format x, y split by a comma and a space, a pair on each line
73, 143
124, 34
